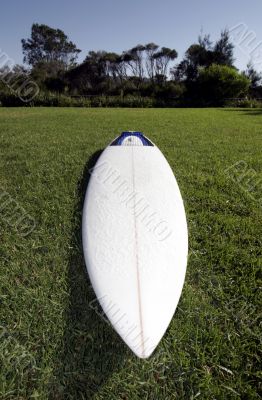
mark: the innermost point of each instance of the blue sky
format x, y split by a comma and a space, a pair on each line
116, 25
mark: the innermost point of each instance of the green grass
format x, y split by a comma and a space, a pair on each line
53, 345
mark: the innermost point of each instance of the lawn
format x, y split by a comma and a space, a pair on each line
54, 341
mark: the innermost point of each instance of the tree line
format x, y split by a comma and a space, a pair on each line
205, 76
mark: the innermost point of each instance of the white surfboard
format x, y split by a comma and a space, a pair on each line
135, 240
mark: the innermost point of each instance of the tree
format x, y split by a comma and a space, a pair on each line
223, 50
44, 70
91, 75
134, 59
204, 54
197, 55
220, 82
13, 78
254, 77
163, 57
49, 45
150, 50
115, 66
205, 42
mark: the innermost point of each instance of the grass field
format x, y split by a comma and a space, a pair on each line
54, 342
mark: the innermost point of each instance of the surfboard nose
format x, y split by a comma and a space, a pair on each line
131, 138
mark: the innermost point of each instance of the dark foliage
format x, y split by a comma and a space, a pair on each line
48, 45
141, 76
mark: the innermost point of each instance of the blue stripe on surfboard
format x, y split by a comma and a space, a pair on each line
119, 140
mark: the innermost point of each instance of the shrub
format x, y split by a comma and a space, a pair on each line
220, 82
118, 101
44, 100
11, 100
244, 103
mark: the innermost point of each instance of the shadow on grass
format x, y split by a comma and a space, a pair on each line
245, 111
91, 351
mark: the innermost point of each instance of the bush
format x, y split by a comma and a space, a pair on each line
220, 82
244, 103
11, 100
59, 100
118, 101
44, 100
56, 100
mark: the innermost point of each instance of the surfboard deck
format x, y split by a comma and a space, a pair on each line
135, 240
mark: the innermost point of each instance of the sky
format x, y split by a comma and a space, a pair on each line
115, 25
